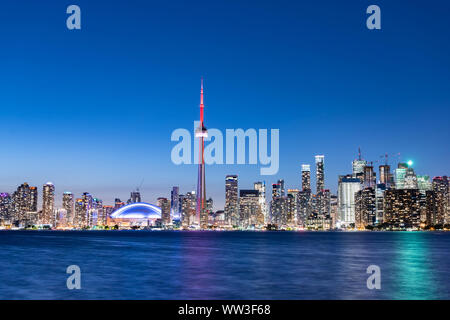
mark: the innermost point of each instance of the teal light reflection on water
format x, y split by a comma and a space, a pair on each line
413, 270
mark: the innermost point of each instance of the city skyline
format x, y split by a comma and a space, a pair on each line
305, 180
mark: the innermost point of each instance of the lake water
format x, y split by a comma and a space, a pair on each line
224, 265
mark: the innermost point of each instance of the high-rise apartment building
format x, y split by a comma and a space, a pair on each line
175, 202
107, 211
231, 200
334, 210
292, 206
164, 204
279, 211
6, 208
188, 207
304, 207
88, 218
48, 204
261, 188
98, 214
281, 189
402, 208
306, 177
276, 190
320, 173
441, 189
68, 206
23, 210
365, 208
379, 201
250, 214
79, 220
33, 199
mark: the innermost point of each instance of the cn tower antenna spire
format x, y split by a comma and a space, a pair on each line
201, 102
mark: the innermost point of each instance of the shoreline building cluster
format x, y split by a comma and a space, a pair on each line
400, 200
20, 210
397, 200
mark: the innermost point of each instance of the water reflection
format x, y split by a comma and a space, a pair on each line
413, 273
225, 265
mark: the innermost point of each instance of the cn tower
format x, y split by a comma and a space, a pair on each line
201, 217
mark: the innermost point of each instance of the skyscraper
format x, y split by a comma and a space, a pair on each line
33, 199
441, 189
201, 133
48, 203
175, 202
6, 208
107, 211
424, 183
347, 188
399, 176
410, 181
87, 205
250, 214
188, 209
68, 206
306, 177
24, 203
261, 188
164, 204
98, 214
320, 174
385, 174
278, 189
323, 203
304, 207
209, 206
79, 220
292, 206
279, 211
333, 210
135, 196
231, 200
365, 208
402, 208
282, 190
379, 201
369, 177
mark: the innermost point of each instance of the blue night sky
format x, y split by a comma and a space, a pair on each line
93, 109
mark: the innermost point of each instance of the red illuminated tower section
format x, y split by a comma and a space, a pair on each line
201, 133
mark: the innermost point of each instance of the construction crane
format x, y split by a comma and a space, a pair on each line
140, 185
386, 156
